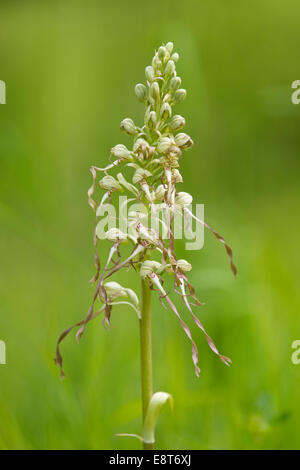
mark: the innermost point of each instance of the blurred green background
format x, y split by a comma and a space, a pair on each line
70, 68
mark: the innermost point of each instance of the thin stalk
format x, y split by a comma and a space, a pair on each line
146, 352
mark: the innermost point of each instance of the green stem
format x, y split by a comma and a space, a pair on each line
146, 351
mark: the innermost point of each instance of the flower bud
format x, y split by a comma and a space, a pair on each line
162, 53
179, 95
120, 151
109, 182
175, 83
156, 63
151, 119
128, 126
170, 68
175, 57
183, 140
183, 199
149, 72
154, 90
165, 111
160, 192
114, 235
163, 144
169, 47
177, 122
141, 92
184, 265
140, 175
148, 267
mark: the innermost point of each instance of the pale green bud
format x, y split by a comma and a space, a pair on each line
184, 265
165, 111
170, 68
149, 72
141, 92
164, 144
128, 126
175, 57
177, 122
151, 119
183, 199
156, 63
175, 83
120, 151
169, 47
183, 140
154, 90
179, 95
109, 182
163, 53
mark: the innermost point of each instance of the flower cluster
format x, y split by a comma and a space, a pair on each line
154, 160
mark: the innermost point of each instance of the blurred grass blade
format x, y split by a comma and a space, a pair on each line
155, 406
